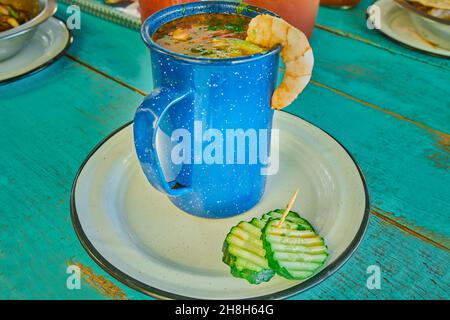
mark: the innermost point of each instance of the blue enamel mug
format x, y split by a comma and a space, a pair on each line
197, 102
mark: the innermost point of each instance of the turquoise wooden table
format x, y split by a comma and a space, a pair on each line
387, 104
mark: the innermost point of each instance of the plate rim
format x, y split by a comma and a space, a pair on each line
47, 63
162, 294
407, 45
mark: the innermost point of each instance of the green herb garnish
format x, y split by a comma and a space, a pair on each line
241, 7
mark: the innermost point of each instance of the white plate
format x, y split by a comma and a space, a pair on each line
51, 39
396, 24
137, 235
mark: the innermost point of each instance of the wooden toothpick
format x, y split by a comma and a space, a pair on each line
288, 208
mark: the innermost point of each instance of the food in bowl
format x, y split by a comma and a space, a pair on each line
14, 13
215, 35
269, 31
435, 8
14, 39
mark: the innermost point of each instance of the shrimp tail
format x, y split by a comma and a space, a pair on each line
269, 31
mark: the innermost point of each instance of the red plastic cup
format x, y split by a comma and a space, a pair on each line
300, 13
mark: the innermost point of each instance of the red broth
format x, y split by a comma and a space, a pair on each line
212, 35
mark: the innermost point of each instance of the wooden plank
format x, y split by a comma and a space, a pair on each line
50, 121
114, 49
399, 273
406, 168
412, 89
352, 24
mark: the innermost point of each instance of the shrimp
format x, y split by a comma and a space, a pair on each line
268, 31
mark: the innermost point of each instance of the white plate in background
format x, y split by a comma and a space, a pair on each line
396, 24
50, 41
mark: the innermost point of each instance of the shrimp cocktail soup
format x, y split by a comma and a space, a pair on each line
213, 35
215, 69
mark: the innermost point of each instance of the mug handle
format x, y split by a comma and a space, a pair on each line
146, 122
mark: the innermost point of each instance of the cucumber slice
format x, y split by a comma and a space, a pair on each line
243, 251
258, 223
291, 217
293, 251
